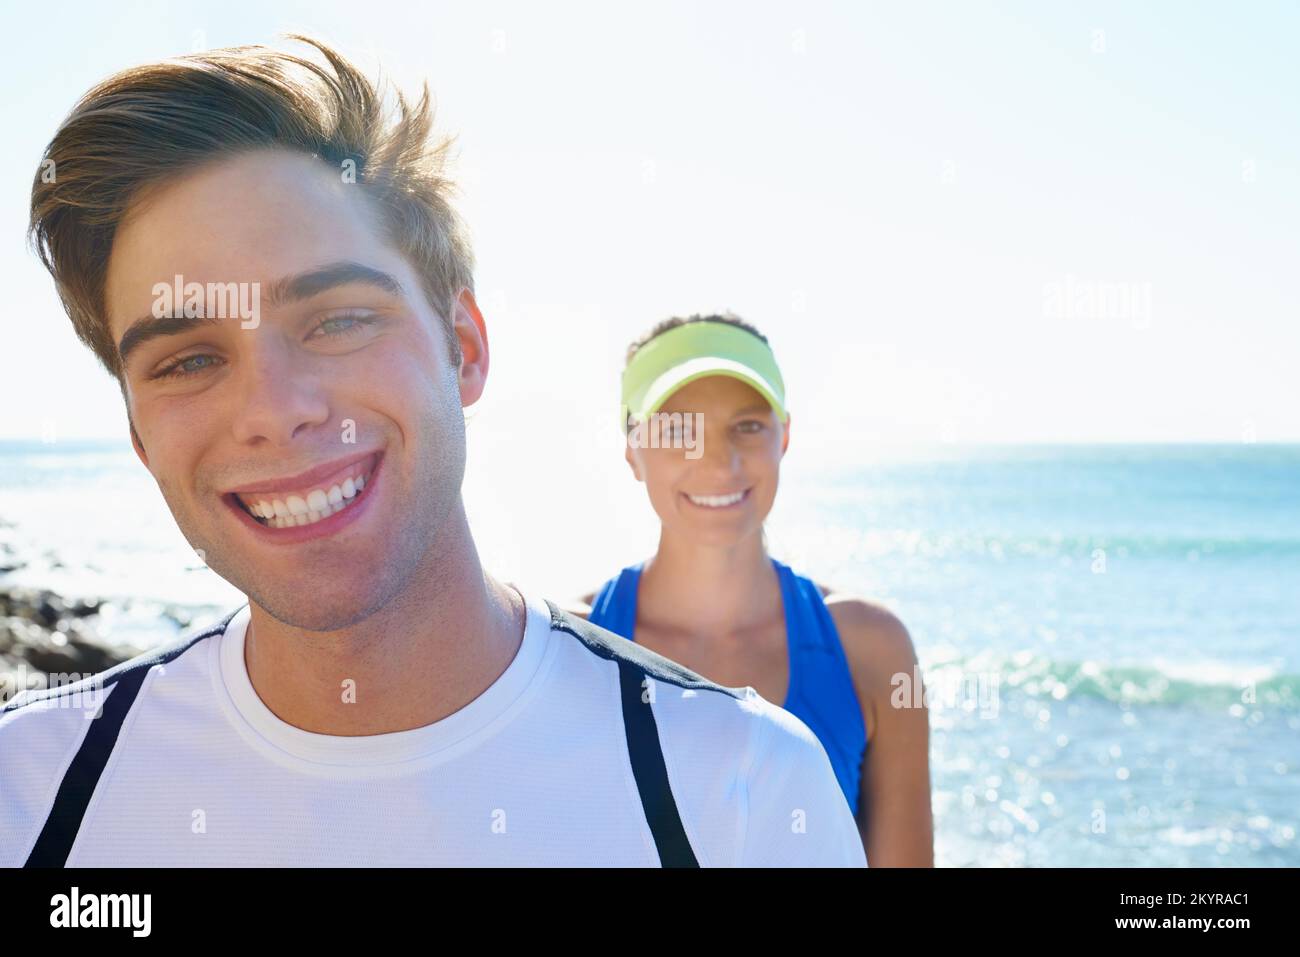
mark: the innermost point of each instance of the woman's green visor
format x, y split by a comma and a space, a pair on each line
692, 351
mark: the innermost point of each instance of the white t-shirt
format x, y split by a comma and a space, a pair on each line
535, 771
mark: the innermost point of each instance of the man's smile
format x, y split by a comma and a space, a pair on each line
310, 504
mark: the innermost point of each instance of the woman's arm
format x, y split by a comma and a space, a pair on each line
894, 814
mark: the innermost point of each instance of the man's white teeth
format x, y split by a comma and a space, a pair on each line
717, 501
320, 503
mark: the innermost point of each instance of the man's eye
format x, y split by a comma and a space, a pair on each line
343, 325
182, 368
750, 425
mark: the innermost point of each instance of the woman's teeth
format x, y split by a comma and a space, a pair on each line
717, 501
305, 510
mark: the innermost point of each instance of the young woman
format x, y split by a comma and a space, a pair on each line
704, 410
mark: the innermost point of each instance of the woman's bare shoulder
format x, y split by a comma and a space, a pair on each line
878, 649
873, 636
580, 606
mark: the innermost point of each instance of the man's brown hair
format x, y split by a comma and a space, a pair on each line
149, 123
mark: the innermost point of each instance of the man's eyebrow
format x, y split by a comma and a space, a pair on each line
313, 283
282, 291
154, 327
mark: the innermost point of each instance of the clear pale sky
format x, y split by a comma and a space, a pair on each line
898, 195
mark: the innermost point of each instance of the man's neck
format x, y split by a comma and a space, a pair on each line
425, 655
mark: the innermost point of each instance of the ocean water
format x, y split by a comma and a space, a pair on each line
1109, 635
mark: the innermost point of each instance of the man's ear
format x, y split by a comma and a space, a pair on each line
137, 444
785, 439
471, 332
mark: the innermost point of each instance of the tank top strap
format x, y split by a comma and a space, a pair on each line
822, 694
614, 607
806, 615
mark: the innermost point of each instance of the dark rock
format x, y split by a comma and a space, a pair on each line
50, 634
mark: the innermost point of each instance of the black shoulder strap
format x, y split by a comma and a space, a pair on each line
55, 841
635, 665
61, 827
650, 771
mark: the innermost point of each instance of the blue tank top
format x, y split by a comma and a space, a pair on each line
821, 691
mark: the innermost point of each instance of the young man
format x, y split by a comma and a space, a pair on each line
272, 270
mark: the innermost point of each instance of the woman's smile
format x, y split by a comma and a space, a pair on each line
719, 501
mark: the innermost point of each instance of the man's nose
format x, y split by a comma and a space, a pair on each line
280, 397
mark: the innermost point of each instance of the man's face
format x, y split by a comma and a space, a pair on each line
337, 412
723, 494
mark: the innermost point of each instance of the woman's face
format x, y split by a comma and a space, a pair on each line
713, 477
